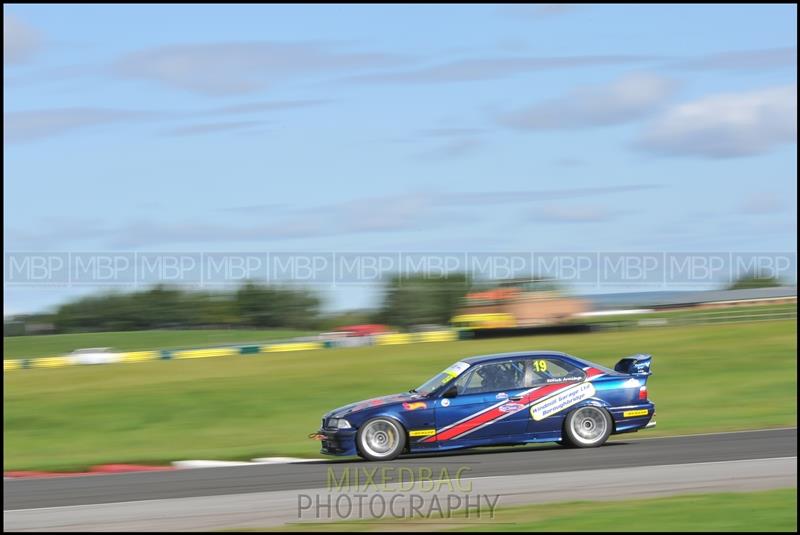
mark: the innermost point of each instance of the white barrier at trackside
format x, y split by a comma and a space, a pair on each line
217, 464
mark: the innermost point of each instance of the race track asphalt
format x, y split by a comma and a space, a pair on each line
623, 452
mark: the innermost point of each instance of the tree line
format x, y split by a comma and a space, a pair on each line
406, 301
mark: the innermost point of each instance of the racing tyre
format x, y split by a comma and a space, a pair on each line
381, 439
587, 427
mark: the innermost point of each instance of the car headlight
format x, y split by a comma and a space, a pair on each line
343, 424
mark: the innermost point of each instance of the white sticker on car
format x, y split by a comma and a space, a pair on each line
561, 401
456, 369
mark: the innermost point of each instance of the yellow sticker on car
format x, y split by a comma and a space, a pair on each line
631, 414
422, 432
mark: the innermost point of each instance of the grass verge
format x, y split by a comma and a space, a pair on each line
706, 378
48, 345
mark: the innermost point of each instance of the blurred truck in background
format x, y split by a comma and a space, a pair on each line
517, 303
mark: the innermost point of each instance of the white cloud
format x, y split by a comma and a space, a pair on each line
241, 67
275, 105
574, 214
212, 128
495, 67
24, 126
484, 198
726, 125
746, 60
761, 203
20, 41
387, 214
538, 11
32, 125
454, 148
626, 99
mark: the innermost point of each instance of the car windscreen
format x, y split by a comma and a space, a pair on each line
441, 378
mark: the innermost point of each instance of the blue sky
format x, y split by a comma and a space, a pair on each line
386, 128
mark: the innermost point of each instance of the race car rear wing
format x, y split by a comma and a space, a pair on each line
635, 365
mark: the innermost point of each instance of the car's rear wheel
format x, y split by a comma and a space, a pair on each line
381, 439
587, 427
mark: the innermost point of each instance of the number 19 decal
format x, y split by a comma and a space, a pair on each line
540, 365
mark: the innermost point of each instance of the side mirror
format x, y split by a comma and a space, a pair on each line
450, 392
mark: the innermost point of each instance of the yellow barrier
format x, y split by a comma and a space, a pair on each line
393, 339
437, 336
138, 356
204, 353
493, 320
50, 362
298, 346
142, 356
9, 365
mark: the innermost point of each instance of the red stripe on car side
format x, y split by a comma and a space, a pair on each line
592, 373
487, 416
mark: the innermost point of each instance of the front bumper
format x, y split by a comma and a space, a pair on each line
336, 441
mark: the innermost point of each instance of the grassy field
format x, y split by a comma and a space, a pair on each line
54, 344
706, 378
774, 510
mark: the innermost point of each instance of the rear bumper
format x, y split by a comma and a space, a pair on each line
634, 417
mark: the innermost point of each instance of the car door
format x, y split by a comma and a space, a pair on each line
558, 387
484, 409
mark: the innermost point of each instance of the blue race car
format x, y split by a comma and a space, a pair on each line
503, 399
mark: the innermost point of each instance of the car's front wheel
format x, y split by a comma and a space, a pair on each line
381, 439
587, 427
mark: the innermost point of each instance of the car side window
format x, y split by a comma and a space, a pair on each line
550, 370
493, 377
467, 383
